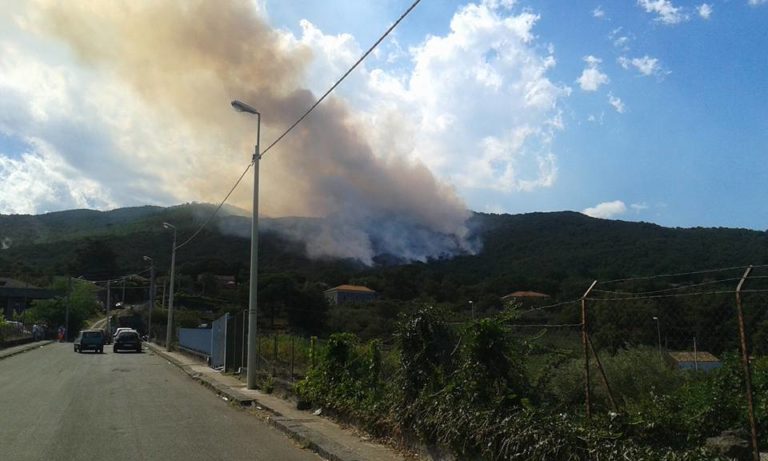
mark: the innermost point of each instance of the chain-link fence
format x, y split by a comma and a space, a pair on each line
676, 346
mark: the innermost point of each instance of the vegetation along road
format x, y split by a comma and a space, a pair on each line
59, 405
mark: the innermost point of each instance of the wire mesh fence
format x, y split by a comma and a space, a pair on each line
642, 341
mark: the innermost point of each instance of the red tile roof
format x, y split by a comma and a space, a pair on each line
353, 288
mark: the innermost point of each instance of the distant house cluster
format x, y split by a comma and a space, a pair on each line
350, 294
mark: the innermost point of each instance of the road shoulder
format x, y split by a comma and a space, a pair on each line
16, 350
325, 437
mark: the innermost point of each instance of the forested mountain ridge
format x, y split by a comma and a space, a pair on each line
551, 252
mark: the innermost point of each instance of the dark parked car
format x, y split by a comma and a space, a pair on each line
127, 340
90, 340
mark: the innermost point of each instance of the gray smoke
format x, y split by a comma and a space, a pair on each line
187, 59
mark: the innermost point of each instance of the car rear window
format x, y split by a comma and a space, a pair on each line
91, 334
128, 335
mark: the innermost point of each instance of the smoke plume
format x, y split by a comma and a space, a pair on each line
185, 60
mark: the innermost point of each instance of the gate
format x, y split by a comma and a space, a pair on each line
219, 342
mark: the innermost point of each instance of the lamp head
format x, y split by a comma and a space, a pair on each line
243, 107
168, 226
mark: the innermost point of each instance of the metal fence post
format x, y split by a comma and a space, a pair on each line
585, 346
745, 365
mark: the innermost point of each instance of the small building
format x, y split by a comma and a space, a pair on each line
17, 296
700, 360
350, 294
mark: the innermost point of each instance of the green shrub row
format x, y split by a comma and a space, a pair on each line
466, 388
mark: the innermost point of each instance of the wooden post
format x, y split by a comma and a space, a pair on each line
584, 341
745, 365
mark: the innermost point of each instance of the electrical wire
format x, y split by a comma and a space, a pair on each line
713, 282
216, 211
550, 306
338, 82
676, 295
679, 274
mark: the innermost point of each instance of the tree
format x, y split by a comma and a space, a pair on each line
53, 312
94, 259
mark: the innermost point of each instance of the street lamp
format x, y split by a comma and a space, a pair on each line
658, 332
252, 306
472, 308
169, 328
151, 294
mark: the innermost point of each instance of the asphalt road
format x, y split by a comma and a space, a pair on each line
59, 405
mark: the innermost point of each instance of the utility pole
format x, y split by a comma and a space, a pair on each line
151, 295
252, 301
109, 319
169, 326
165, 284
66, 314
122, 300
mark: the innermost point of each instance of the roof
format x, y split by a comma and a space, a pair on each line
526, 294
686, 356
351, 288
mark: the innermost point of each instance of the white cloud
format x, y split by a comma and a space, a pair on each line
705, 10
638, 207
646, 65
757, 2
606, 210
598, 13
616, 102
619, 38
665, 11
591, 78
476, 106
42, 181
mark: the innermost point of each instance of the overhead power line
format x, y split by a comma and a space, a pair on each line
300, 119
338, 82
216, 211
679, 274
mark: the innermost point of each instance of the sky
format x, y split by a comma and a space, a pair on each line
648, 110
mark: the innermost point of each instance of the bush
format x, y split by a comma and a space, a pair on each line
466, 389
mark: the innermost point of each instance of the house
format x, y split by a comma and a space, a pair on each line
350, 294
17, 296
699, 360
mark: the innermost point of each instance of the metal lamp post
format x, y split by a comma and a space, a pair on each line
658, 332
151, 294
252, 306
169, 328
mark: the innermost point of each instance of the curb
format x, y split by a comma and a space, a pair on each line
306, 437
26, 349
